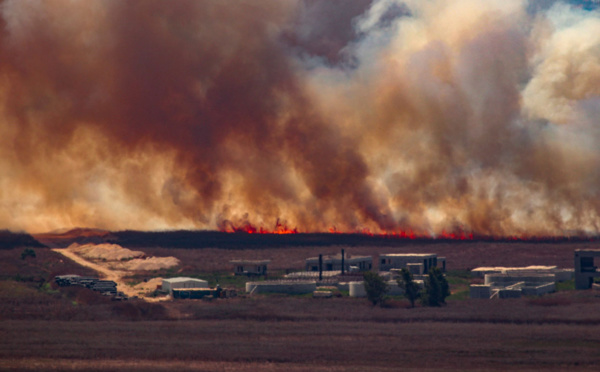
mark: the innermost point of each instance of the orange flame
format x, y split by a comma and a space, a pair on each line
248, 228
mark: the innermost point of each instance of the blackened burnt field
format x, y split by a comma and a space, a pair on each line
211, 250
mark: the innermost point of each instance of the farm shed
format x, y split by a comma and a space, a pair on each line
281, 286
181, 282
196, 293
334, 263
412, 261
585, 268
250, 267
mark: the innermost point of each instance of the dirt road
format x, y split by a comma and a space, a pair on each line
110, 274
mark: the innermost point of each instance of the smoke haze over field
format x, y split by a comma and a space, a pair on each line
427, 116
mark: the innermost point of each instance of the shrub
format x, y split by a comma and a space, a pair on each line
27, 252
376, 288
436, 288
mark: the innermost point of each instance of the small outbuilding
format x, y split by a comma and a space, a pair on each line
168, 285
334, 263
250, 267
585, 268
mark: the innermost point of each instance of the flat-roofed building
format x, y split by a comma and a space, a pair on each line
585, 267
334, 263
250, 267
412, 261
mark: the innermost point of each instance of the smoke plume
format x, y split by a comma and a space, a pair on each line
425, 116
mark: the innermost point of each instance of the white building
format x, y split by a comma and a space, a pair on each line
514, 285
182, 282
417, 263
334, 263
250, 267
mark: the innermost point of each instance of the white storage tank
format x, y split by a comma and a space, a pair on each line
357, 289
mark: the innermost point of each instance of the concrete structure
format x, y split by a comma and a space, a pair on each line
168, 285
538, 290
250, 267
508, 293
334, 263
504, 280
281, 286
480, 291
560, 274
322, 294
585, 268
357, 289
417, 263
312, 275
514, 285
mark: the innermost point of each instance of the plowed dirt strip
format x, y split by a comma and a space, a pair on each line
105, 273
159, 365
213, 366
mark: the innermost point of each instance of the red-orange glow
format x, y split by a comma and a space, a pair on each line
456, 235
282, 228
248, 228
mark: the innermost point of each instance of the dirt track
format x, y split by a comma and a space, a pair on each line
107, 273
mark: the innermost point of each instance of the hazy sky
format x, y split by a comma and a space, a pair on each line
428, 116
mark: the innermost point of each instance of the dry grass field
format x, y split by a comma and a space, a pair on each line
44, 328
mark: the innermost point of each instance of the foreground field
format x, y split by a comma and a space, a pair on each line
276, 333
297, 345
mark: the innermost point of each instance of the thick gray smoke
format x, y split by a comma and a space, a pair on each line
429, 116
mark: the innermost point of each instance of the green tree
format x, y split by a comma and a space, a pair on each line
444, 286
436, 288
27, 252
376, 287
411, 289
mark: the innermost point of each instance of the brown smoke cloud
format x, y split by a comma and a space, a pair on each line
382, 115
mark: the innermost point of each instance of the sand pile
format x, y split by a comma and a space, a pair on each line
108, 252
123, 258
148, 286
150, 263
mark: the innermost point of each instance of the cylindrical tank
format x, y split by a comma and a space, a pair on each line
357, 289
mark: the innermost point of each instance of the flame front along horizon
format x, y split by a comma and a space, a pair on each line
441, 118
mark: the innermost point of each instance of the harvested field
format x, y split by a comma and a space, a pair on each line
307, 345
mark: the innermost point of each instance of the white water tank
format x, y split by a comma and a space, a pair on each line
357, 289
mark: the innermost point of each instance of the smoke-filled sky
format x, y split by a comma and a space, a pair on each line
423, 115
